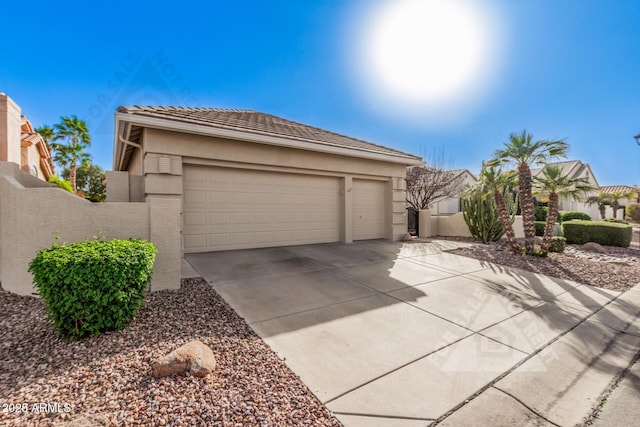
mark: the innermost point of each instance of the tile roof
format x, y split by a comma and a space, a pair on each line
260, 123
28, 134
33, 138
616, 188
566, 166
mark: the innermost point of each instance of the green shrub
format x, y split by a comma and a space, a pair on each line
61, 183
536, 253
633, 212
540, 226
571, 215
93, 286
558, 244
541, 213
482, 218
616, 220
605, 233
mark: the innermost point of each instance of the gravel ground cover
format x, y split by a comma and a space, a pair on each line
110, 376
617, 269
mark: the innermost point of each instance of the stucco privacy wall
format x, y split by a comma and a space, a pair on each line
454, 225
33, 212
176, 148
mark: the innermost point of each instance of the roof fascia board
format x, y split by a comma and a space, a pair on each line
171, 125
592, 174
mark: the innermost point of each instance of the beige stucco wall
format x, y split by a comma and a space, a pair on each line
31, 216
454, 225
10, 123
33, 159
176, 149
117, 186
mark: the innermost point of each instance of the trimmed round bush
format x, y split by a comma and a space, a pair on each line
605, 233
571, 215
93, 286
558, 244
632, 211
540, 226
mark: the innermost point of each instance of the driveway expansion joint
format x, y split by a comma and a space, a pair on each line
525, 405
526, 359
389, 417
602, 399
396, 369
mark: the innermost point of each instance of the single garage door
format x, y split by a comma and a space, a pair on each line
237, 209
368, 209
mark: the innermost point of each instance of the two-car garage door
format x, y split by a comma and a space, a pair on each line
227, 208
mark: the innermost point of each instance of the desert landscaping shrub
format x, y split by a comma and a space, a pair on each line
616, 220
93, 286
540, 225
632, 212
571, 215
558, 244
481, 216
541, 213
61, 183
604, 233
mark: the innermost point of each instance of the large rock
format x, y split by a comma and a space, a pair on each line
594, 247
193, 357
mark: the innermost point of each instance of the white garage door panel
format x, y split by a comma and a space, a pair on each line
368, 209
236, 209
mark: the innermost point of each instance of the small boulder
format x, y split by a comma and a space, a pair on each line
193, 357
594, 247
407, 237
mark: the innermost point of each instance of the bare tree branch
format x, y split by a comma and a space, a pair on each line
431, 183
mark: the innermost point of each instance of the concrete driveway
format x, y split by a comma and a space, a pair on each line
404, 334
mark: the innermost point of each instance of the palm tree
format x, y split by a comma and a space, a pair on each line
522, 152
615, 199
602, 200
495, 182
46, 132
555, 185
67, 155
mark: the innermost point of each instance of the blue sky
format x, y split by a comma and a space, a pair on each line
561, 69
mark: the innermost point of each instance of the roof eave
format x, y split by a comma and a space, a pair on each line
176, 126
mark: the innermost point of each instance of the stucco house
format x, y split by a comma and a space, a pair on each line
21, 144
635, 198
246, 179
453, 205
577, 169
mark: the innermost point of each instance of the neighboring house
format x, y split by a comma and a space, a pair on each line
246, 179
20, 144
635, 198
577, 169
453, 205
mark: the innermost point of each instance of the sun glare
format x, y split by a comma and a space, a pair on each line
430, 55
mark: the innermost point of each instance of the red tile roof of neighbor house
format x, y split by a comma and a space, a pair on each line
616, 188
31, 137
260, 123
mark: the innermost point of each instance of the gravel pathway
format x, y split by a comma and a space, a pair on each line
110, 375
617, 269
